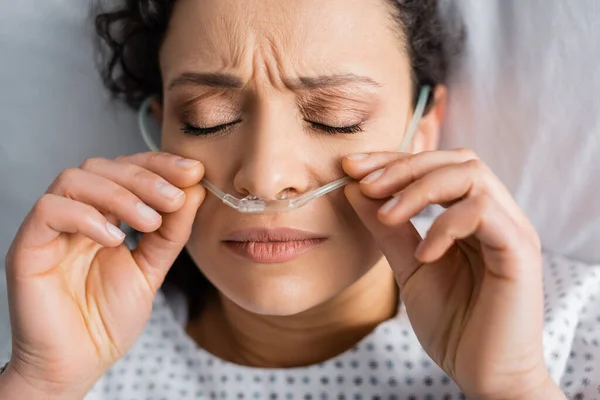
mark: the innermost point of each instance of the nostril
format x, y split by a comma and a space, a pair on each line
284, 194
281, 195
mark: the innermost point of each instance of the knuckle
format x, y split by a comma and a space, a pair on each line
467, 153
408, 162
44, 205
431, 192
138, 175
405, 166
155, 157
476, 165
90, 163
65, 179
120, 195
401, 164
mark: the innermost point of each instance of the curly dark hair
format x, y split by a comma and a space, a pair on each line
130, 37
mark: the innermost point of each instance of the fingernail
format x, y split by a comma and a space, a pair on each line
147, 213
114, 231
186, 162
389, 206
359, 156
372, 177
168, 190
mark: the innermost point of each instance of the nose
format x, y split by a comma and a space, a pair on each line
273, 165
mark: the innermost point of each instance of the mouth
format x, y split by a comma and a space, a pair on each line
271, 246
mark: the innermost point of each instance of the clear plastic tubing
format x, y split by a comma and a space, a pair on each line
251, 204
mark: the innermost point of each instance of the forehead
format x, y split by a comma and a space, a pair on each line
292, 37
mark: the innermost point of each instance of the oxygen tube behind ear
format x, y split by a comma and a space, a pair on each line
252, 204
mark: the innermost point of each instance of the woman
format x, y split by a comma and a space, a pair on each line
273, 99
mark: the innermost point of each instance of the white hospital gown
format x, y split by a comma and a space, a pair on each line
388, 364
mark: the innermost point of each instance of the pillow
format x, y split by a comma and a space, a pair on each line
525, 98
53, 109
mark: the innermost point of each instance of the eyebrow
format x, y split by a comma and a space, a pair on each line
217, 80
228, 81
318, 82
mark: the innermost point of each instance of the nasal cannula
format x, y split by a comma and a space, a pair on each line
252, 204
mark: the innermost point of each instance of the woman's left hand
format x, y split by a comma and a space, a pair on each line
473, 287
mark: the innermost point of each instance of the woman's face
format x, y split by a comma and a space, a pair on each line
295, 86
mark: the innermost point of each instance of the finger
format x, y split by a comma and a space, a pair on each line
397, 243
445, 186
157, 251
395, 176
482, 217
53, 215
406, 170
179, 171
150, 187
107, 196
358, 166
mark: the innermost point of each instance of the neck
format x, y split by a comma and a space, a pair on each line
239, 336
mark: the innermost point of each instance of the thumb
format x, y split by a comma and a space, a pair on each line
158, 250
397, 243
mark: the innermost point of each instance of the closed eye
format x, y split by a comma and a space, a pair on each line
332, 130
205, 131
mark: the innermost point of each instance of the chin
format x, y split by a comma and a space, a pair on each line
282, 296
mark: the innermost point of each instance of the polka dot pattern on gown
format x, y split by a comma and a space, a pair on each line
388, 364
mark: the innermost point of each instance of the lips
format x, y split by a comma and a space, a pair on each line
270, 246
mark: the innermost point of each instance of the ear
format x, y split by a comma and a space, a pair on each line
427, 136
157, 110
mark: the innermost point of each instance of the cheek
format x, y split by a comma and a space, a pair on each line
176, 142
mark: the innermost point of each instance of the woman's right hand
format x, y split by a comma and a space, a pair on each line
78, 297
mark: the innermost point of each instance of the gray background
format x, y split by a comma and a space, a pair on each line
525, 99
54, 112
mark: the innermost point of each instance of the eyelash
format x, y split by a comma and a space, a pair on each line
197, 131
332, 130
